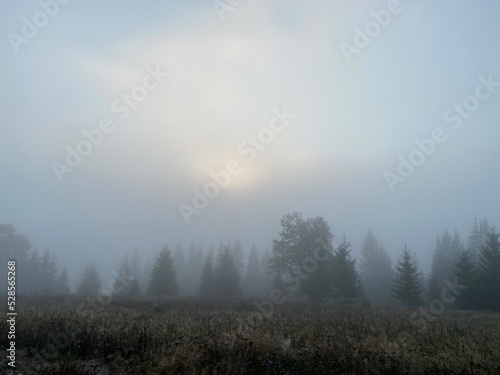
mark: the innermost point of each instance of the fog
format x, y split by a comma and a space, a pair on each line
209, 79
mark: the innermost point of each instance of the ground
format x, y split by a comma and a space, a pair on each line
179, 336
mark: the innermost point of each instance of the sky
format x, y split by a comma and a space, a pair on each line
222, 73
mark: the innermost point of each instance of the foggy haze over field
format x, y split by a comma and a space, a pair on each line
226, 78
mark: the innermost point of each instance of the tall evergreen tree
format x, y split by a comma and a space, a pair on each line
407, 285
375, 271
227, 280
192, 270
49, 271
207, 287
267, 274
14, 246
254, 284
145, 275
238, 257
465, 276
163, 275
33, 278
134, 289
489, 272
91, 283
179, 259
476, 239
62, 287
127, 284
345, 279
136, 265
448, 249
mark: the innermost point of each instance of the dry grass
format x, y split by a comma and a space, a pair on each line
195, 337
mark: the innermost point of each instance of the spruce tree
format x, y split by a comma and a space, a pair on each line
48, 271
345, 279
465, 276
476, 239
206, 288
192, 270
33, 273
127, 285
254, 282
375, 271
267, 273
91, 283
433, 290
489, 272
163, 275
134, 290
238, 257
227, 279
407, 286
62, 287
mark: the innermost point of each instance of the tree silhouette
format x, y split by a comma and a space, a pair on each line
91, 283
227, 283
296, 247
407, 286
254, 281
48, 271
465, 276
489, 272
206, 288
375, 270
62, 285
345, 278
163, 275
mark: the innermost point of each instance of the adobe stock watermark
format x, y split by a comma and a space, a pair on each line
122, 107
221, 179
31, 26
223, 6
454, 116
372, 29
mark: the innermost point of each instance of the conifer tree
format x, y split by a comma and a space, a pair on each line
238, 257
206, 288
163, 275
345, 279
62, 286
448, 249
489, 272
465, 276
476, 239
375, 270
127, 284
33, 276
267, 274
91, 283
254, 282
227, 280
407, 285
134, 289
48, 272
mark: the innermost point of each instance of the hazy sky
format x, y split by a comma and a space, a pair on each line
227, 77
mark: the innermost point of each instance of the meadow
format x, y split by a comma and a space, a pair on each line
205, 337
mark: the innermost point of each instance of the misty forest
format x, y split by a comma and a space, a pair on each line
305, 267
236, 187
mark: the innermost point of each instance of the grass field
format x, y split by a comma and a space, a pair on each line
195, 337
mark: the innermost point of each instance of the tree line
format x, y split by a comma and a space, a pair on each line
292, 266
